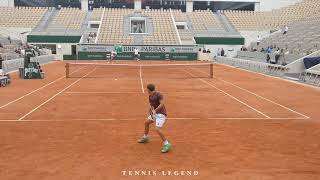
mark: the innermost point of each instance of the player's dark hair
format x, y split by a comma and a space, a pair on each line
151, 87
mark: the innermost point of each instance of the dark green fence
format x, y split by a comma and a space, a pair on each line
143, 56
220, 40
52, 39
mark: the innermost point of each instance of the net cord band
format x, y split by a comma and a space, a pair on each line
141, 65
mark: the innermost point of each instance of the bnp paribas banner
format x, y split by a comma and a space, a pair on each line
141, 48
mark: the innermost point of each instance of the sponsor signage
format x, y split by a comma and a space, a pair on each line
127, 48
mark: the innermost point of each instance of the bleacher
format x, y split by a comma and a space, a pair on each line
186, 36
164, 31
24, 17
204, 20
97, 14
70, 18
111, 28
7, 49
275, 19
262, 56
303, 38
179, 16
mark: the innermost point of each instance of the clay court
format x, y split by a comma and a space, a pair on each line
237, 125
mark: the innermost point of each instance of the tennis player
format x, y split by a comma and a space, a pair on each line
158, 114
136, 54
113, 55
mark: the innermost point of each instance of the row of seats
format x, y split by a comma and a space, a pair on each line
186, 36
262, 56
204, 20
164, 30
111, 28
268, 20
97, 14
70, 18
179, 16
302, 38
24, 17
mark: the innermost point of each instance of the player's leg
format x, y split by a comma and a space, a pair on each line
145, 137
160, 121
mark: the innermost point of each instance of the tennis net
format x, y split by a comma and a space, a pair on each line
103, 70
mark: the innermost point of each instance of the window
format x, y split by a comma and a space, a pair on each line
138, 25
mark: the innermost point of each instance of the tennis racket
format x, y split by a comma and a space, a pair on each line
153, 116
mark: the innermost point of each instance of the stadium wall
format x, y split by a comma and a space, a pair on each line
220, 40
268, 5
264, 5
53, 39
152, 52
7, 3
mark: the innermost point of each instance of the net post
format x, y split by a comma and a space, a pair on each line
67, 70
211, 70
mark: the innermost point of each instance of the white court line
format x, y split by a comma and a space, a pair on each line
244, 118
274, 77
37, 89
134, 119
183, 118
266, 99
229, 95
56, 95
100, 92
141, 81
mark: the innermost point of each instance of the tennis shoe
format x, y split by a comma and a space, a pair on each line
166, 148
143, 140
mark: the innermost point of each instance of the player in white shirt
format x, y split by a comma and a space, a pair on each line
136, 54
113, 55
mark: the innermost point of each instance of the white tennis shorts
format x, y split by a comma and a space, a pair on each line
160, 119
1, 72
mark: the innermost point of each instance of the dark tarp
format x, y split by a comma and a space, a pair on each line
310, 62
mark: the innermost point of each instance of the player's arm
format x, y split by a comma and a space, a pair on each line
160, 106
151, 109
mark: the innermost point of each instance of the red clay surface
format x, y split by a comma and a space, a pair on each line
236, 126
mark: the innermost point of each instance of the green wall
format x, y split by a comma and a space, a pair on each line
70, 57
143, 56
52, 39
219, 40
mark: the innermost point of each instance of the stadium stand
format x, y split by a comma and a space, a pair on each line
70, 18
26, 17
275, 19
179, 16
111, 28
9, 50
261, 56
186, 36
302, 39
204, 20
97, 14
164, 31
311, 75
